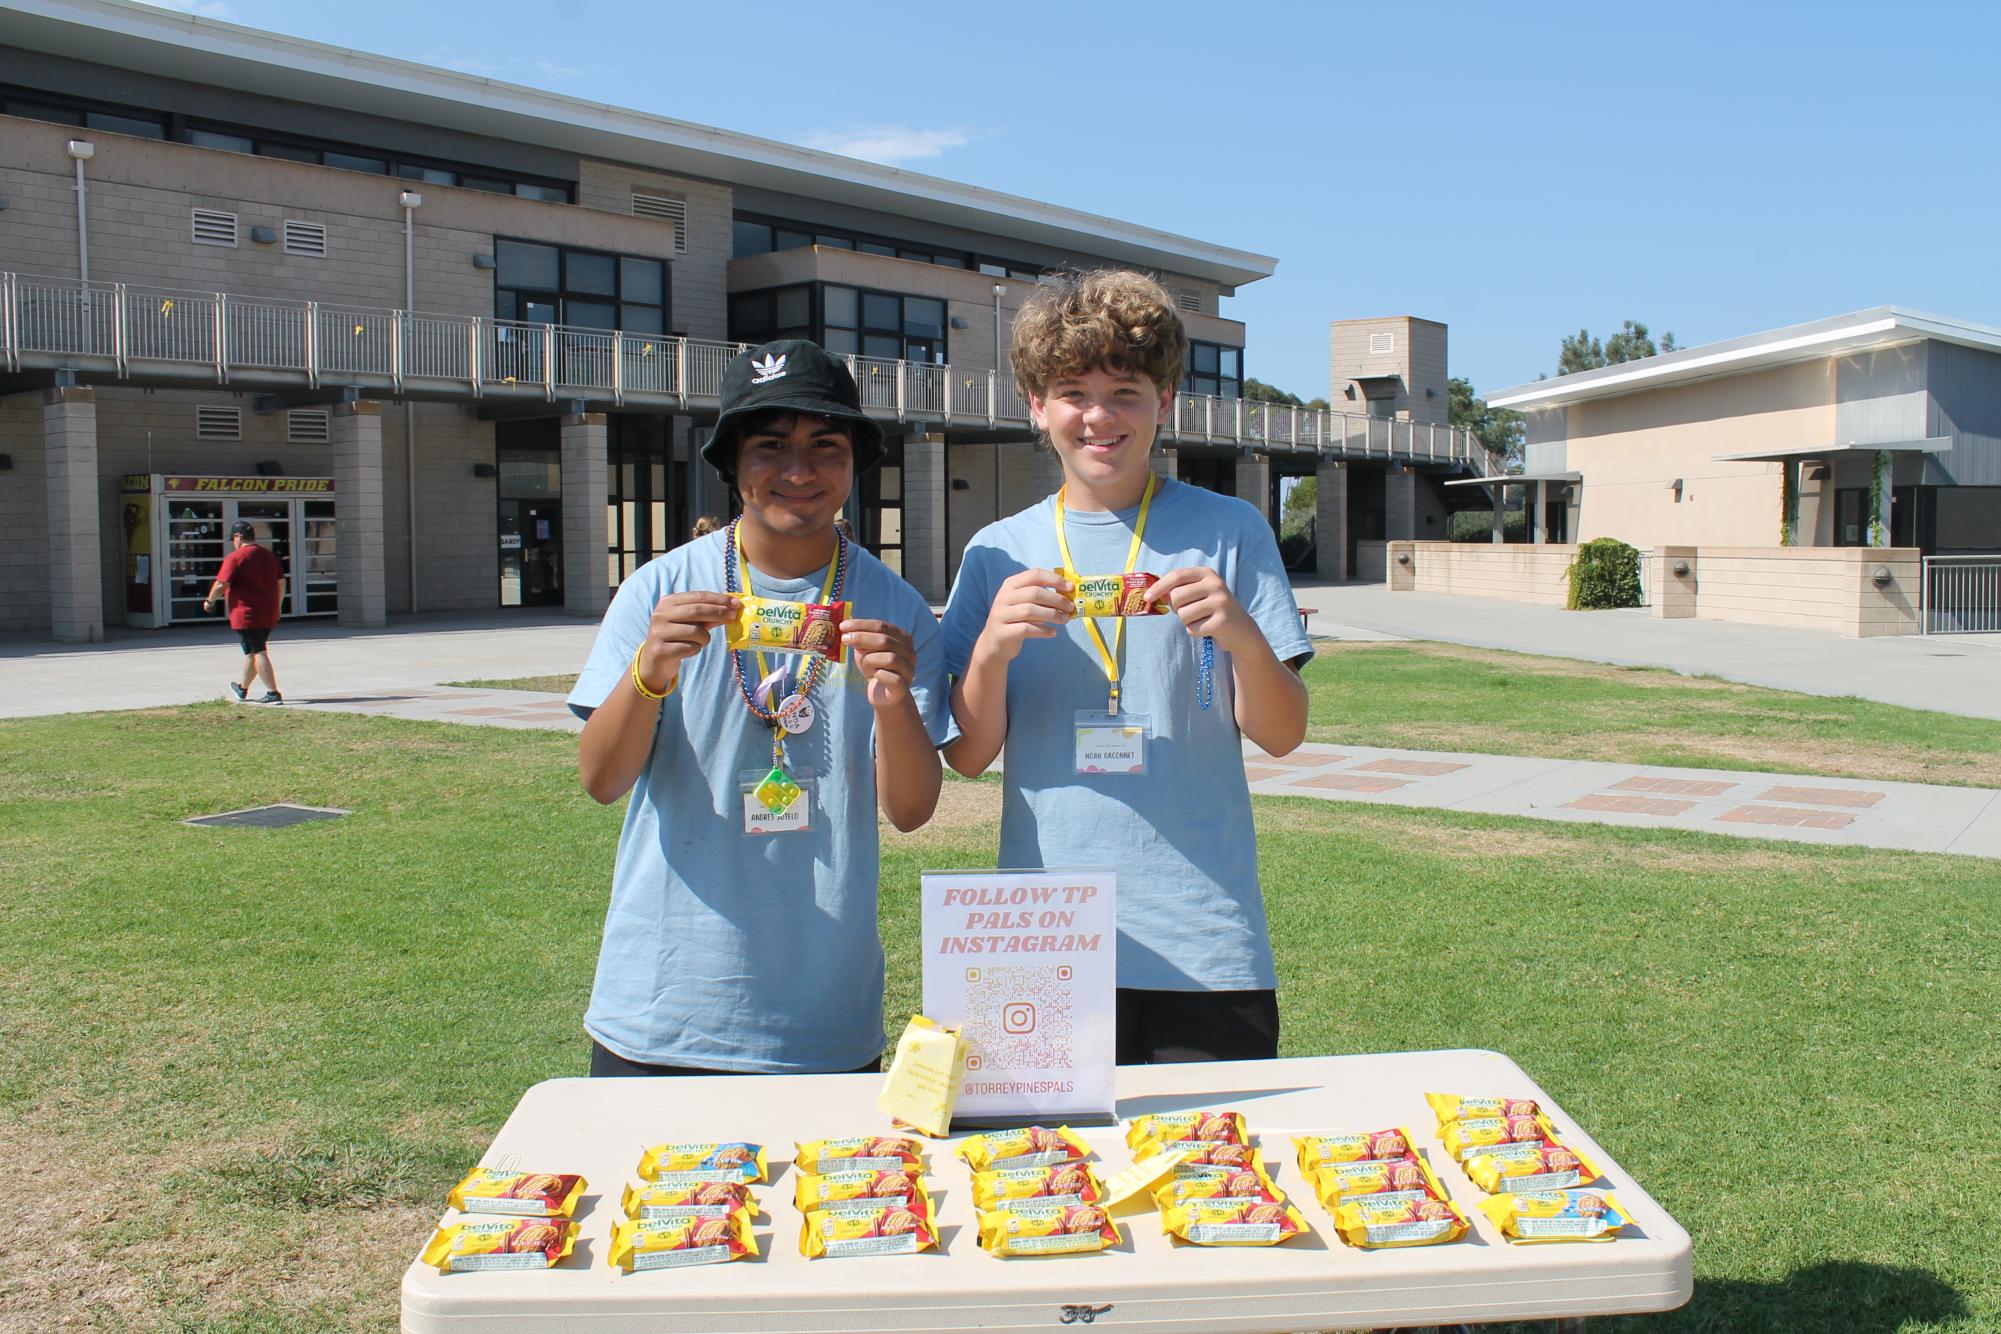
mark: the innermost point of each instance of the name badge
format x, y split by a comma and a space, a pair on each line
759, 815
1110, 743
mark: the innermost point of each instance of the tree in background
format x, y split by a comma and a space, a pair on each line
1498, 429
1582, 352
1259, 392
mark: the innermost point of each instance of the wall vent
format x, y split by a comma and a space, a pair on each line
214, 228
1382, 344
218, 423
1188, 300
305, 238
308, 426
667, 209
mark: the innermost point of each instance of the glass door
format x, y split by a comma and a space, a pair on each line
195, 548
316, 550
272, 520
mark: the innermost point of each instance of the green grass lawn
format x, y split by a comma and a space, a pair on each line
242, 1067
1424, 696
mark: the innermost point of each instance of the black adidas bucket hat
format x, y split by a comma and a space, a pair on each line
790, 375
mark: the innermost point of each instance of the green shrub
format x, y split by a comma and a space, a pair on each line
1478, 526
1606, 573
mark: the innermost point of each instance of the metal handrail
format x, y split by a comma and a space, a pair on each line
127, 328
1964, 590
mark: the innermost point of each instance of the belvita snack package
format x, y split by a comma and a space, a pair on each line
1530, 1166
693, 1163
1113, 594
773, 625
859, 1153
893, 1229
483, 1245
489, 1190
1204, 1224
1556, 1215
1189, 1130
1058, 1183
1028, 1146
857, 1192
1375, 1221
705, 1199
1041, 1227
640, 1244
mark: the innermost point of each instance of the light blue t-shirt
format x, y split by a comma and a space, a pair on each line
727, 950
1191, 916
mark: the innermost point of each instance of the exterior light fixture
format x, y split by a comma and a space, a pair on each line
82, 149
1880, 575
1681, 568
485, 470
410, 199
264, 235
484, 262
270, 468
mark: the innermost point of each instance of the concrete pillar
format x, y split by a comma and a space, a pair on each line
359, 530
1254, 482
1537, 503
1500, 496
1167, 463
76, 574
1330, 519
924, 482
1399, 504
586, 483
1674, 585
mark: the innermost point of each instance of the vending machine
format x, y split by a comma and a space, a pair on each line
177, 532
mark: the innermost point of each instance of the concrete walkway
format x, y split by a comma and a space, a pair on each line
1949, 673
397, 673
1838, 811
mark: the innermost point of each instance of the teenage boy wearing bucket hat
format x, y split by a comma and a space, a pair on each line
741, 934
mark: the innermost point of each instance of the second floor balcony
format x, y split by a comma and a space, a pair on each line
126, 333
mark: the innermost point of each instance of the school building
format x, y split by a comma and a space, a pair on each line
454, 344
1842, 474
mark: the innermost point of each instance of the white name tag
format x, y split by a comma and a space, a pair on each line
1110, 743
759, 818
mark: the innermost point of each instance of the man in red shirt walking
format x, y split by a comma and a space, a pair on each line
254, 583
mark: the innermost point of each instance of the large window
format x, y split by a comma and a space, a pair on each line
849, 321
154, 124
754, 235
1214, 369
548, 284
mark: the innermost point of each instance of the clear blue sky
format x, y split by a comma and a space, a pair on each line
1515, 170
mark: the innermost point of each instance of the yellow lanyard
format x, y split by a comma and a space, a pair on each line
1113, 655
826, 591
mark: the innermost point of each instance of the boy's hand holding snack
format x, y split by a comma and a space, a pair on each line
678, 630
1030, 605
1206, 608
885, 656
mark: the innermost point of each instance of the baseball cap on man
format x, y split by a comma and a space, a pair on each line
242, 528
790, 375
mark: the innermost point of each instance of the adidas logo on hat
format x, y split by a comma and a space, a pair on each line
768, 369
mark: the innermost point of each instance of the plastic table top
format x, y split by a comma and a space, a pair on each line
598, 1127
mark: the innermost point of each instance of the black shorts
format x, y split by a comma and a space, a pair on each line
254, 640
1163, 1027
608, 1064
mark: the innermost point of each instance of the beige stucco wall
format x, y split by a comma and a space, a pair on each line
1516, 572
1814, 588
1630, 450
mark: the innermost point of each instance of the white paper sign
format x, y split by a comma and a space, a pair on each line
1026, 963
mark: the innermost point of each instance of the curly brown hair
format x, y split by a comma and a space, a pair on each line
1113, 319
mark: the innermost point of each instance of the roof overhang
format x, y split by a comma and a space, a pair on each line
1937, 444
1865, 330
128, 35
1519, 479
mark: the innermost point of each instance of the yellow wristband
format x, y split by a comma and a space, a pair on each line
639, 684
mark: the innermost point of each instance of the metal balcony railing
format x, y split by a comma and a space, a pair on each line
131, 331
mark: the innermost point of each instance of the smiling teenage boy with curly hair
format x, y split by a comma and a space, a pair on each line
1098, 357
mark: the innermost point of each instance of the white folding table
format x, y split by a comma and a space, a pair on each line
1151, 1282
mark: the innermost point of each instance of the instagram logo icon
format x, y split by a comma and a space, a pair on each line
1018, 1017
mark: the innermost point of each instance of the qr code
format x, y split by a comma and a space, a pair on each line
1021, 1016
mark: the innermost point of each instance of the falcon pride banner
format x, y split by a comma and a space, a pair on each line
1025, 965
